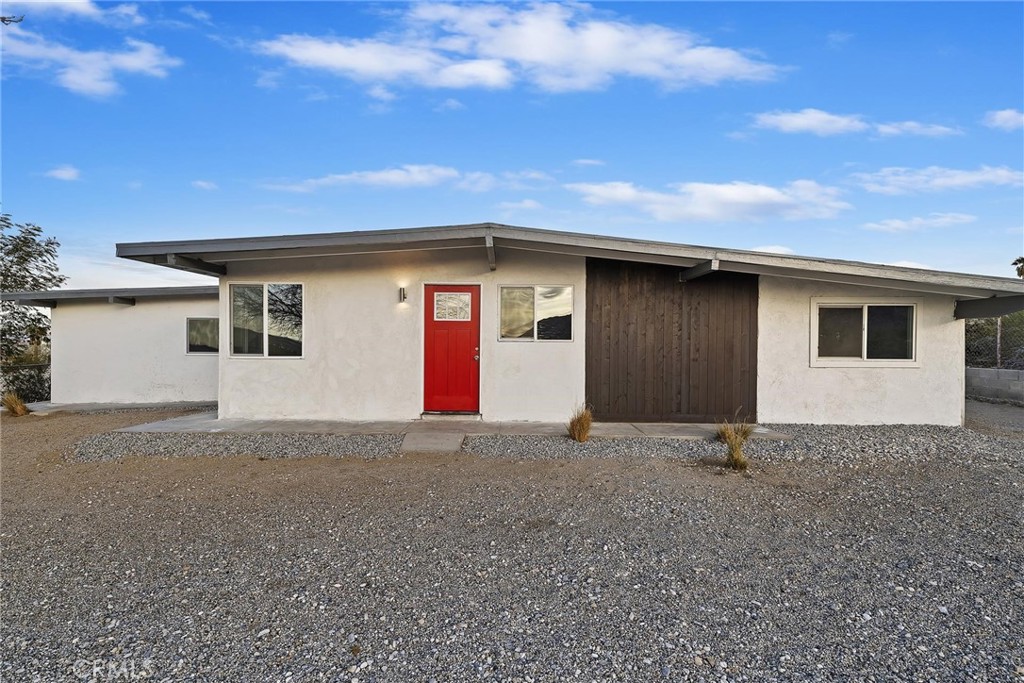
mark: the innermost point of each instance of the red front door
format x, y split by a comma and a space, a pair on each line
451, 354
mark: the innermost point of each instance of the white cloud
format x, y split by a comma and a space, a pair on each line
896, 180
126, 14
204, 185
374, 60
477, 181
269, 79
932, 220
932, 130
838, 38
717, 202
823, 123
525, 205
379, 92
587, 162
557, 48
774, 249
93, 72
423, 175
408, 175
450, 104
809, 120
1004, 119
909, 264
528, 174
197, 14
89, 268
63, 172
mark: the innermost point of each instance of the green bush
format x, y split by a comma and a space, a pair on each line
30, 382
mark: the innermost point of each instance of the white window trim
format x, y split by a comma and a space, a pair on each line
863, 361
266, 342
511, 340
202, 353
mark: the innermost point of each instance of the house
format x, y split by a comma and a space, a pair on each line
513, 323
146, 345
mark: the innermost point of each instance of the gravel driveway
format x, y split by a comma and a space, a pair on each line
826, 566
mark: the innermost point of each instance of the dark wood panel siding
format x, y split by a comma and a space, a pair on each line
659, 350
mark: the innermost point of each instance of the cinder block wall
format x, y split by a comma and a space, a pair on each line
1006, 385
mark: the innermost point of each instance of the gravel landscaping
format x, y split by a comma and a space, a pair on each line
832, 444
113, 445
872, 554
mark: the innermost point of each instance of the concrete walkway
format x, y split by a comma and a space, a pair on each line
431, 435
48, 408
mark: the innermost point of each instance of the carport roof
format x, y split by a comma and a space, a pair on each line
214, 256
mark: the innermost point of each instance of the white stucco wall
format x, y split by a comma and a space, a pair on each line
789, 390
110, 353
363, 351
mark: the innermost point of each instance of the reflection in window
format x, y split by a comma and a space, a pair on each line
517, 312
247, 319
839, 332
203, 335
554, 313
891, 332
266, 317
284, 320
452, 306
866, 332
541, 313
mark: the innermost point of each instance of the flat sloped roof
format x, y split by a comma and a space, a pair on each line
212, 256
124, 295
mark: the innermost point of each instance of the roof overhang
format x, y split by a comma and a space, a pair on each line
120, 297
215, 256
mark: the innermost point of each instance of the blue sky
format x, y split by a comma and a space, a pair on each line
884, 132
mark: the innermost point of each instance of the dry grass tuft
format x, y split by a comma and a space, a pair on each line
734, 435
14, 405
579, 424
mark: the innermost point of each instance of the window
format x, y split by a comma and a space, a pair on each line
203, 335
863, 333
453, 306
536, 313
266, 320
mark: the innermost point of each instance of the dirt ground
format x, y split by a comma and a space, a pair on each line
427, 533
35, 471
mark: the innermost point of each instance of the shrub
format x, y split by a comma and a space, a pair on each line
734, 435
15, 406
579, 424
30, 382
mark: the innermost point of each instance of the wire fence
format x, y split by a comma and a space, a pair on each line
996, 342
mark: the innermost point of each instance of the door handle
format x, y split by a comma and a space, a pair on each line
476, 357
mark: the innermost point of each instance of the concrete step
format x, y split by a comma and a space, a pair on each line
432, 442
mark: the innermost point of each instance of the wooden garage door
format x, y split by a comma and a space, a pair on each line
660, 350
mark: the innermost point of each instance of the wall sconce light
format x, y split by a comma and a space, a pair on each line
401, 295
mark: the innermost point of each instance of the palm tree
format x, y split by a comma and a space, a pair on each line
1019, 262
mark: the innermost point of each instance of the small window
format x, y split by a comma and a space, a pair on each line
871, 334
266, 320
536, 313
203, 335
453, 306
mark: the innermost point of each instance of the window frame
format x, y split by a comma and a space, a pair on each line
189, 319
864, 303
266, 319
534, 339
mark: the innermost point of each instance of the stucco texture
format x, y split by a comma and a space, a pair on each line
112, 353
363, 350
789, 390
